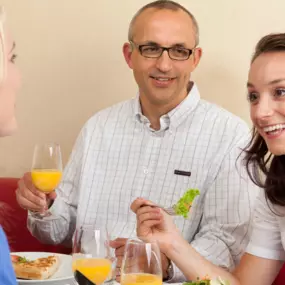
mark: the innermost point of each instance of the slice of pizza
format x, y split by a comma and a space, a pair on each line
39, 269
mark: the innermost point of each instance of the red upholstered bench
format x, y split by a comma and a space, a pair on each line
280, 280
14, 222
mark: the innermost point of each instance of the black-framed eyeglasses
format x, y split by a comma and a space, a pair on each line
155, 51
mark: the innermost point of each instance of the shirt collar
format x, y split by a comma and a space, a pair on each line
176, 116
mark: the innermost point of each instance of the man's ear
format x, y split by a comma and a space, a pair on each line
127, 51
197, 56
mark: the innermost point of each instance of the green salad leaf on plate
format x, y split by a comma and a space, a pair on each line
206, 281
23, 259
198, 282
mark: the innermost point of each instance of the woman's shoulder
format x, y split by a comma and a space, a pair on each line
2, 235
7, 275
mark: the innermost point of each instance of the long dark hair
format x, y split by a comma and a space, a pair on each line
265, 169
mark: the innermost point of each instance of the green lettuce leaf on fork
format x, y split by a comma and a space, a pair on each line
184, 204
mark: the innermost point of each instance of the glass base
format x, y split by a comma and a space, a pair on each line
40, 216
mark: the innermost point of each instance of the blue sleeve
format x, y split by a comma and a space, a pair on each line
7, 275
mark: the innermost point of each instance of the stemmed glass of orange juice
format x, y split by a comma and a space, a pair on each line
46, 169
92, 260
141, 263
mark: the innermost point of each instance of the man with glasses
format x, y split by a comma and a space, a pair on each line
156, 146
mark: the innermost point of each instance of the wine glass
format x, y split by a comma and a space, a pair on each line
46, 170
91, 255
141, 263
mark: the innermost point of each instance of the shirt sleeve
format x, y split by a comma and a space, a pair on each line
226, 222
265, 240
59, 228
7, 275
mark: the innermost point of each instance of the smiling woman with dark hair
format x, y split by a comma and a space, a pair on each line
265, 160
9, 83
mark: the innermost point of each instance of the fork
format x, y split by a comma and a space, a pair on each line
169, 210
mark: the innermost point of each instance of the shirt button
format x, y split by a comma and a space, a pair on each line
145, 171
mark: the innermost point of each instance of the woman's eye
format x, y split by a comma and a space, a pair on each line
252, 97
279, 92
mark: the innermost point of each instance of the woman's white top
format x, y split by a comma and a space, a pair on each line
268, 234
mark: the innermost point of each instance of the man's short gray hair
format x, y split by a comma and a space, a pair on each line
167, 5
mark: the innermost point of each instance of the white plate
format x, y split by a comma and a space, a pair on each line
63, 275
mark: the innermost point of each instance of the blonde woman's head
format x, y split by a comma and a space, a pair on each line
9, 80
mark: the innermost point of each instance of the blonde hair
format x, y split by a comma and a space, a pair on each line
3, 59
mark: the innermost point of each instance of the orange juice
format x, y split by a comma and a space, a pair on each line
96, 270
141, 279
46, 180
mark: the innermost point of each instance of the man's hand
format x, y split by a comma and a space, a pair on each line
165, 262
119, 245
30, 198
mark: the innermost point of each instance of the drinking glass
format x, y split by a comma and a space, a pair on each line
141, 263
91, 255
46, 170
